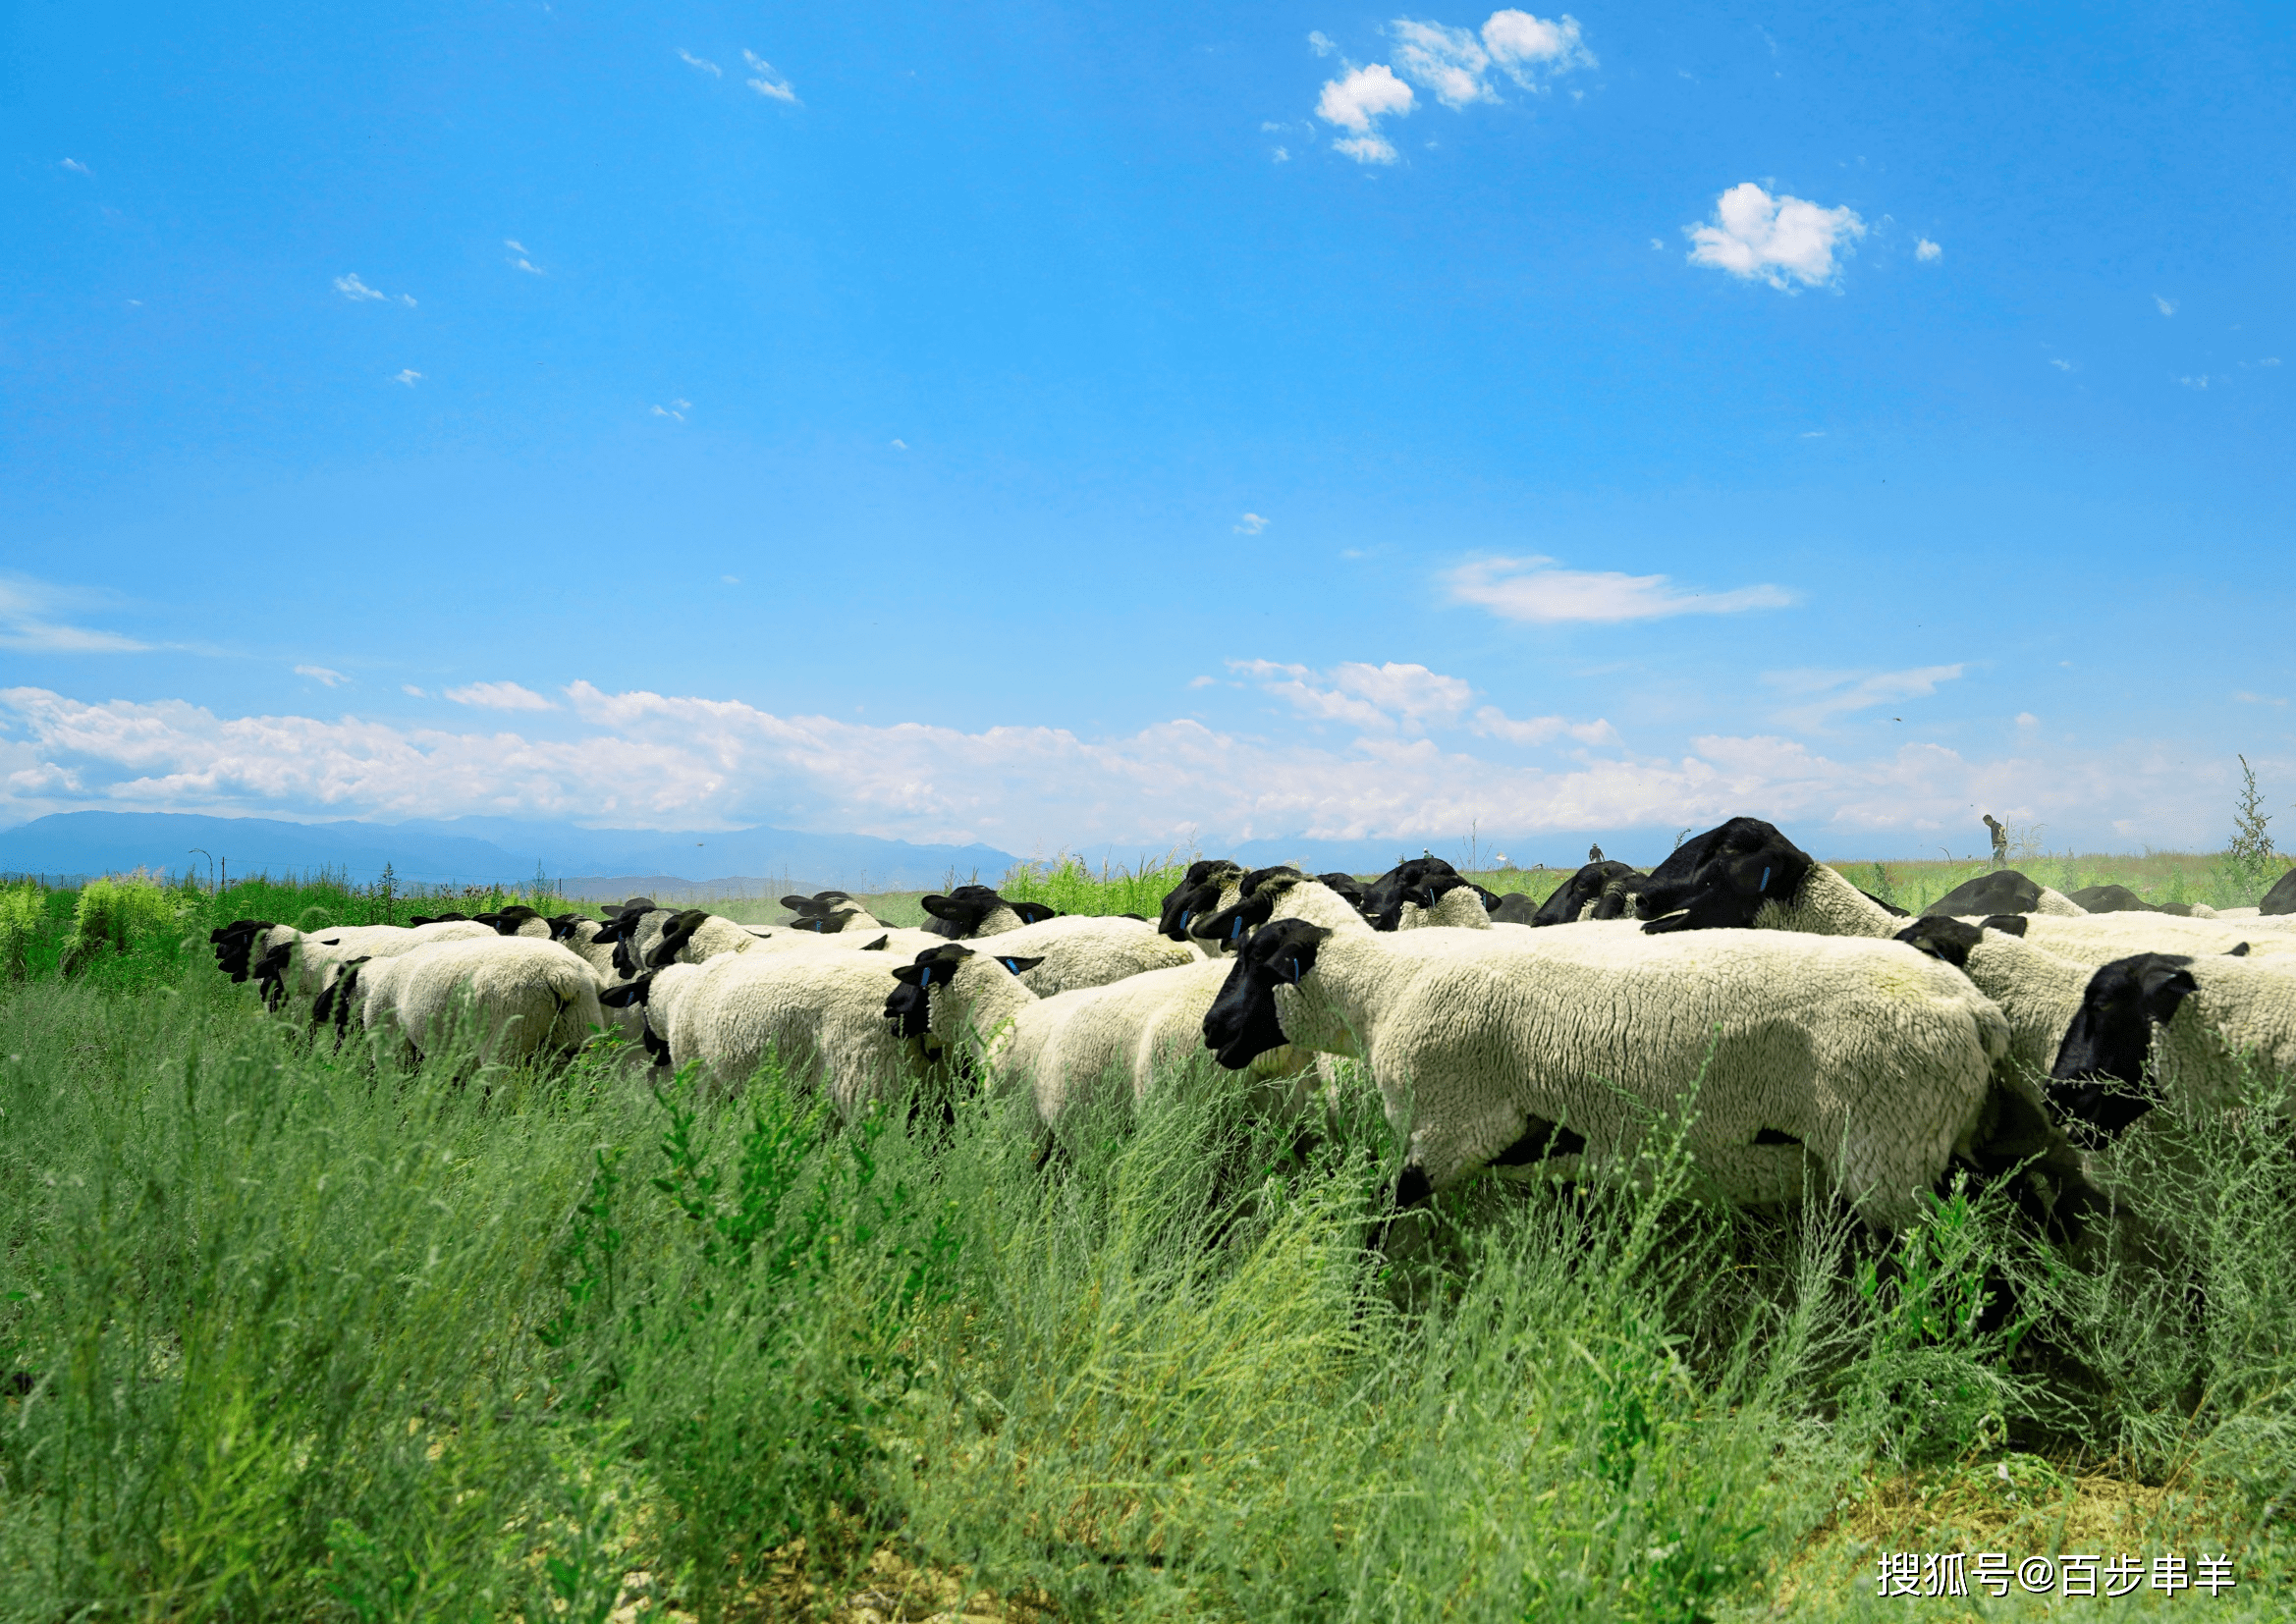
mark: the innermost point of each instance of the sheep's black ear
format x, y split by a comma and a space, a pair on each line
2009, 924
1036, 913
940, 907
797, 904
1017, 965
2240, 951
631, 991
1143, 918
877, 947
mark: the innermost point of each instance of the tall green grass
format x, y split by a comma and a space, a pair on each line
286, 1331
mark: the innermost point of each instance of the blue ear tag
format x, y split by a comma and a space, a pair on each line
1012, 964
1236, 931
1295, 972
926, 980
1764, 886
1185, 915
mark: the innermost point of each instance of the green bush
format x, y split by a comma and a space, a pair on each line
23, 910
119, 917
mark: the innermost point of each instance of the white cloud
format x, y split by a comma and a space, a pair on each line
76, 166
2201, 381
2270, 360
900, 445
1362, 95
500, 696
1367, 149
767, 82
1522, 45
1532, 589
323, 675
408, 688
1251, 524
1494, 723
355, 291
2168, 306
731, 580
1924, 249
1404, 700
1283, 155
1820, 697
691, 60
28, 622
2060, 365
2246, 698
407, 375
1320, 43
675, 411
1449, 62
519, 257
649, 761
1781, 239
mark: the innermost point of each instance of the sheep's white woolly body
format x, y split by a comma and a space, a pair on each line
583, 942
2244, 1015
822, 1013
524, 996
1064, 1047
1826, 904
2037, 992
1085, 951
1457, 909
1874, 1056
320, 955
2101, 938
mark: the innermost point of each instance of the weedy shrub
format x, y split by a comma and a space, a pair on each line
116, 918
23, 909
1068, 884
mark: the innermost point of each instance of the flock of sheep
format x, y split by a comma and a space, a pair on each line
1816, 1032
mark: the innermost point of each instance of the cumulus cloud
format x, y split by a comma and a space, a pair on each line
1817, 697
1926, 251
321, 674
355, 291
1401, 699
691, 60
1361, 96
1454, 64
29, 612
1782, 240
499, 696
647, 760
1320, 42
766, 81
1251, 524
1536, 590
407, 375
1366, 149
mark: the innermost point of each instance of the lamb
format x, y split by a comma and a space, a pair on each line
972, 911
526, 998
1506, 1050
1061, 1049
2193, 1023
820, 1014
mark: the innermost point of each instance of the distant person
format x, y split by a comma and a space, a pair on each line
1594, 853
2000, 834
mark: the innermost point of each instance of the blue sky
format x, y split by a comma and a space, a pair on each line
1068, 426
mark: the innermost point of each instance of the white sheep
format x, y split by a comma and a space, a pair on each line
971, 911
829, 913
522, 997
1499, 1047
1062, 1049
1076, 951
820, 1014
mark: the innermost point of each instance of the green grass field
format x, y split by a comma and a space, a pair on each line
287, 1332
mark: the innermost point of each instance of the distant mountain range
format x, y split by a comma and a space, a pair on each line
483, 852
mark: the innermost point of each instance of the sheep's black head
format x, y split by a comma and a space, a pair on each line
333, 1004
2003, 890
271, 973
1383, 899
638, 990
1231, 925
1720, 879
514, 919
962, 911
2099, 1079
1243, 1023
1947, 940
1196, 897
675, 936
1588, 885
235, 941
1348, 888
